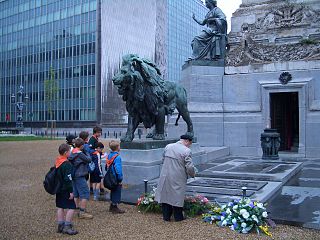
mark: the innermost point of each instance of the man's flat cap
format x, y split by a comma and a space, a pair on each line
186, 137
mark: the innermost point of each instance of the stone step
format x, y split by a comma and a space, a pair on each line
226, 183
216, 152
217, 191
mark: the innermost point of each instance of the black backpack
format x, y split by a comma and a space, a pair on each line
110, 181
52, 182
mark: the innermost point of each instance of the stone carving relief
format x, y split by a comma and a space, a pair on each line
251, 52
285, 77
287, 16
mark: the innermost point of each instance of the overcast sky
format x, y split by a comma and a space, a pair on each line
228, 7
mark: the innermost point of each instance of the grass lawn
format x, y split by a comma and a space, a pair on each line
23, 138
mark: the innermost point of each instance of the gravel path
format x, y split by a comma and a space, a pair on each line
28, 212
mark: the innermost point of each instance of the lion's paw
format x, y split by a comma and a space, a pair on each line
126, 138
149, 135
158, 137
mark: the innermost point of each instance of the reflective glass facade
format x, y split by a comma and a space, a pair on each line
36, 35
83, 42
181, 30
125, 28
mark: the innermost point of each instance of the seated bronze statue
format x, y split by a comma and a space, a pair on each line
212, 41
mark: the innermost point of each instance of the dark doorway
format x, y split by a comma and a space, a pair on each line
284, 113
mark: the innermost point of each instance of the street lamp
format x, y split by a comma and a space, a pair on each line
19, 100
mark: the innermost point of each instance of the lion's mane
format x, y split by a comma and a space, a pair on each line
148, 91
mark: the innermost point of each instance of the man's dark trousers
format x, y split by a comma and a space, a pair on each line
167, 210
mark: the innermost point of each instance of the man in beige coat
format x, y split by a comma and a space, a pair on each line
177, 165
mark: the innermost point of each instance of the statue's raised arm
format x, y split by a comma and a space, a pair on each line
211, 43
197, 21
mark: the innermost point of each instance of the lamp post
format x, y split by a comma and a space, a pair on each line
19, 100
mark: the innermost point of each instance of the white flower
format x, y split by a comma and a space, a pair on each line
254, 217
235, 207
150, 200
223, 206
228, 211
224, 223
246, 215
244, 231
232, 227
260, 205
242, 211
243, 225
234, 220
264, 214
222, 218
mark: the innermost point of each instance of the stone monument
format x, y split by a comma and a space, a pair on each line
270, 79
272, 73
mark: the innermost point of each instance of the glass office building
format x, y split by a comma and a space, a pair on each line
83, 41
36, 35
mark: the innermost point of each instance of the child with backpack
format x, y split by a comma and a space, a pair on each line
96, 175
80, 162
87, 149
114, 162
70, 141
64, 198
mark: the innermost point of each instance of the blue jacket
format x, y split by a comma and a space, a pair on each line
117, 165
87, 149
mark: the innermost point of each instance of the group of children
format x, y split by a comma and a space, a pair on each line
73, 168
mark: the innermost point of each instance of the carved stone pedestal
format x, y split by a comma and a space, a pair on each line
203, 83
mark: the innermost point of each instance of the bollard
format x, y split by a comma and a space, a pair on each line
105, 135
108, 133
145, 186
119, 134
244, 192
116, 135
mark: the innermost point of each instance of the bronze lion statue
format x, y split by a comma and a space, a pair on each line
148, 97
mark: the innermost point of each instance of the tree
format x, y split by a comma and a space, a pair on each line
51, 89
